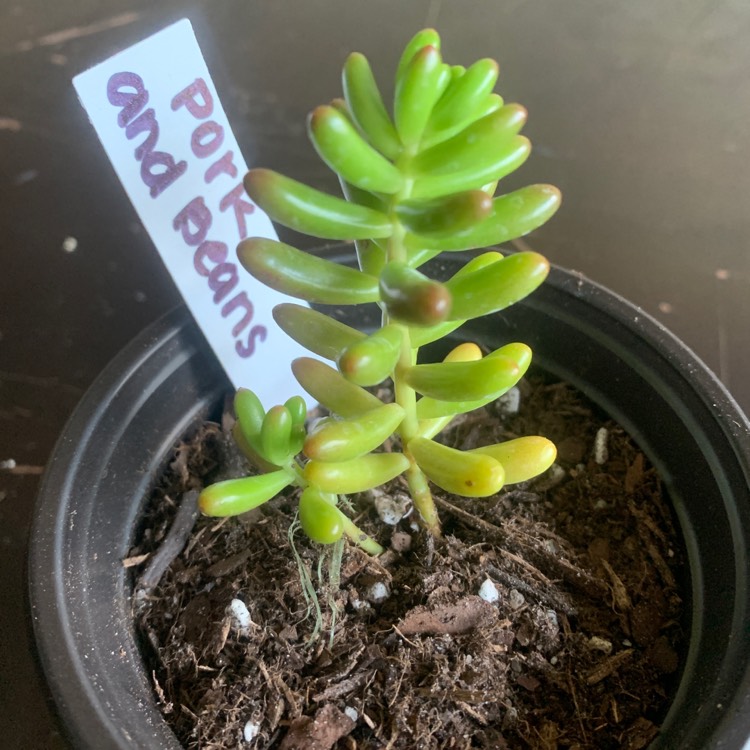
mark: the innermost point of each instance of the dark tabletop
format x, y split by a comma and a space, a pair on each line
638, 111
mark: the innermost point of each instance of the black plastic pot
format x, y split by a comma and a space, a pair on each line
120, 437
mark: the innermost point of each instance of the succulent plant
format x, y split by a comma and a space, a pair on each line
416, 183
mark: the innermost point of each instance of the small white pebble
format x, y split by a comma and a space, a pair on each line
555, 474
600, 644
600, 505
351, 712
240, 615
509, 402
9, 463
601, 454
551, 616
250, 731
377, 593
488, 591
553, 661
392, 508
360, 604
516, 599
70, 244
627, 643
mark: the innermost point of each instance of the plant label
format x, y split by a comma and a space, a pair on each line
159, 118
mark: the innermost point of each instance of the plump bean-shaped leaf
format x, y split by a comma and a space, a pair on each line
366, 105
523, 458
512, 215
426, 335
432, 137
275, 435
499, 164
431, 408
369, 361
463, 381
314, 330
330, 388
477, 144
344, 150
311, 211
357, 475
423, 38
411, 297
423, 81
305, 276
249, 412
468, 351
297, 408
457, 471
471, 159
465, 94
345, 439
248, 449
320, 519
444, 216
497, 286
235, 496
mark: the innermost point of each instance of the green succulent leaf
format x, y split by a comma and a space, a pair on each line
330, 388
311, 211
444, 217
466, 93
298, 409
235, 496
431, 138
370, 360
371, 258
420, 336
275, 435
249, 412
316, 331
423, 81
366, 105
482, 153
249, 451
345, 439
510, 216
423, 38
346, 152
319, 517
463, 381
411, 297
305, 276
497, 286
523, 458
457, 471
432, 408
358, 474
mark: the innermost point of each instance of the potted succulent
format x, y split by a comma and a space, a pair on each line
415, 187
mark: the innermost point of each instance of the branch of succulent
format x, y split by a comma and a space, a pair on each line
416, 184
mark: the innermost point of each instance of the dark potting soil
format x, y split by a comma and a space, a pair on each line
582, 648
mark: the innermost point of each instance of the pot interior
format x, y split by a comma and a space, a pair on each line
167, 381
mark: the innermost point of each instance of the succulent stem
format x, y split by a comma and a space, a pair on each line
358, 537
404, 394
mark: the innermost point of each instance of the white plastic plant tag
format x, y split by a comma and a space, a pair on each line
157, 114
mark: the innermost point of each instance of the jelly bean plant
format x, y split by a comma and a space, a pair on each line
417, 181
